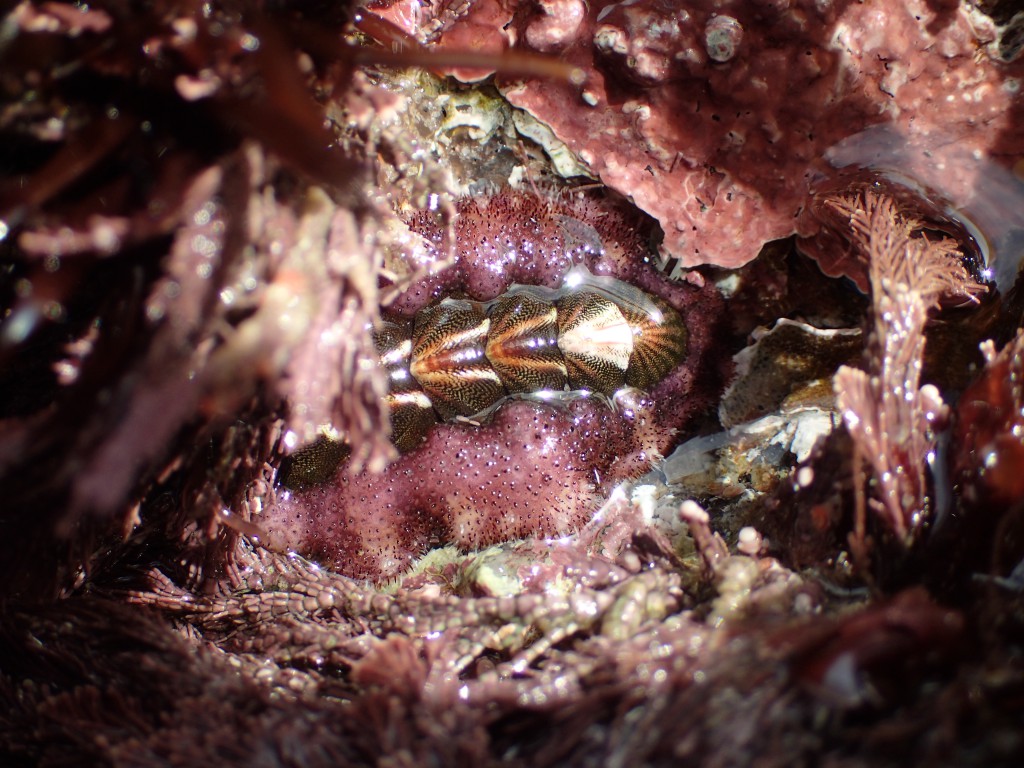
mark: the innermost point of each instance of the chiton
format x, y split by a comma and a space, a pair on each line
461, 358
486, 335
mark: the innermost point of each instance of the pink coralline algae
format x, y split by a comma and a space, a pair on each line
534, 468
716, 117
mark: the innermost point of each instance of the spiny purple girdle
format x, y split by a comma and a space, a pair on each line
527, 469
462, 358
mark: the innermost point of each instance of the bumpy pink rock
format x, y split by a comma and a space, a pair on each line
717, 116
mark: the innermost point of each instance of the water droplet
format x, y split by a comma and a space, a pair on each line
20, 323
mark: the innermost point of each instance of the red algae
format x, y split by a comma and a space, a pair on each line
534, 469
956, 188
989, 433
712, 118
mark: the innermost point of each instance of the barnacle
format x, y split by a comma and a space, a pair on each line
722, 37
